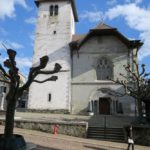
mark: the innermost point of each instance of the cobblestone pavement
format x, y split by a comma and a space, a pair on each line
45, 141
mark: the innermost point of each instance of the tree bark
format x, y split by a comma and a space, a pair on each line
147, 108
10, 113
140, 112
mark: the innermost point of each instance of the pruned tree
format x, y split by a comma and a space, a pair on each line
15, 91
136, 85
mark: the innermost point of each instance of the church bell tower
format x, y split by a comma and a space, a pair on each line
54, 30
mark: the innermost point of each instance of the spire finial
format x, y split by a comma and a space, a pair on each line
101, 19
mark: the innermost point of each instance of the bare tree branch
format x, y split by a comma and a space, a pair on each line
53, 78
124, 76
126, 87
128, 69
56, 69
146, 74
118, 94
143, 70
34, 71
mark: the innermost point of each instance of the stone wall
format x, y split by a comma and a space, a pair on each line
77, 129
84, 66
84, 77
53, 34
56, 111
80, 99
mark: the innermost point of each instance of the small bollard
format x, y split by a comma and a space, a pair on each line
56, 129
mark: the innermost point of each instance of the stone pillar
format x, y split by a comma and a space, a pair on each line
2, 101
90, 104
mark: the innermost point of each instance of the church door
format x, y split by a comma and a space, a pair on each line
104, 106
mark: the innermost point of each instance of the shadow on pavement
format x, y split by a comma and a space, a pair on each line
44, 148
94, 148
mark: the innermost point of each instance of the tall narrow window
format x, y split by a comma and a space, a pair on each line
104, 69
5, 88
51, 10
56, 10
49, 97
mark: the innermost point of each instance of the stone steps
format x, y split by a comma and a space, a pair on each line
110, 121
111, 134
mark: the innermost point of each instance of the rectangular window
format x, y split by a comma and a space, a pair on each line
56, 10
119, 107
51, 10
49, 97
3, 89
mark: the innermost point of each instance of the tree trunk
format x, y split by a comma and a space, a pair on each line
147, 108
140, 112
10, 113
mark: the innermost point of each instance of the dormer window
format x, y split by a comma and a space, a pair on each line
53, 10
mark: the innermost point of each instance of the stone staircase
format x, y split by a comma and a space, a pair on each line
111, 134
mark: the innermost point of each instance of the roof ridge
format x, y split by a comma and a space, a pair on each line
103, 26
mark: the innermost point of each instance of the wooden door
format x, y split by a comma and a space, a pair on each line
104, 106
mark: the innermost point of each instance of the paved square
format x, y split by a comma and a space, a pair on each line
46, 141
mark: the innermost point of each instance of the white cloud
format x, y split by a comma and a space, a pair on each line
128, 1
134, 1
138, 1
31, 20
24, 68
92, 16
10, 44
23, 62
136, 18
16, 45
111, 2
7, 7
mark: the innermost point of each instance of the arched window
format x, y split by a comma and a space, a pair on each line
104, 69
51, 10
56, 10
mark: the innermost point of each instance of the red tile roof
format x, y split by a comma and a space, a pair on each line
77, 37
102, 26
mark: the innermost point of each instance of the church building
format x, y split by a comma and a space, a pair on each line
87, 62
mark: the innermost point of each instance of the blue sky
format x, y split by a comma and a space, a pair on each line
18, 19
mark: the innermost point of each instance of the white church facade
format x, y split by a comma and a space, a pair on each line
87, 61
